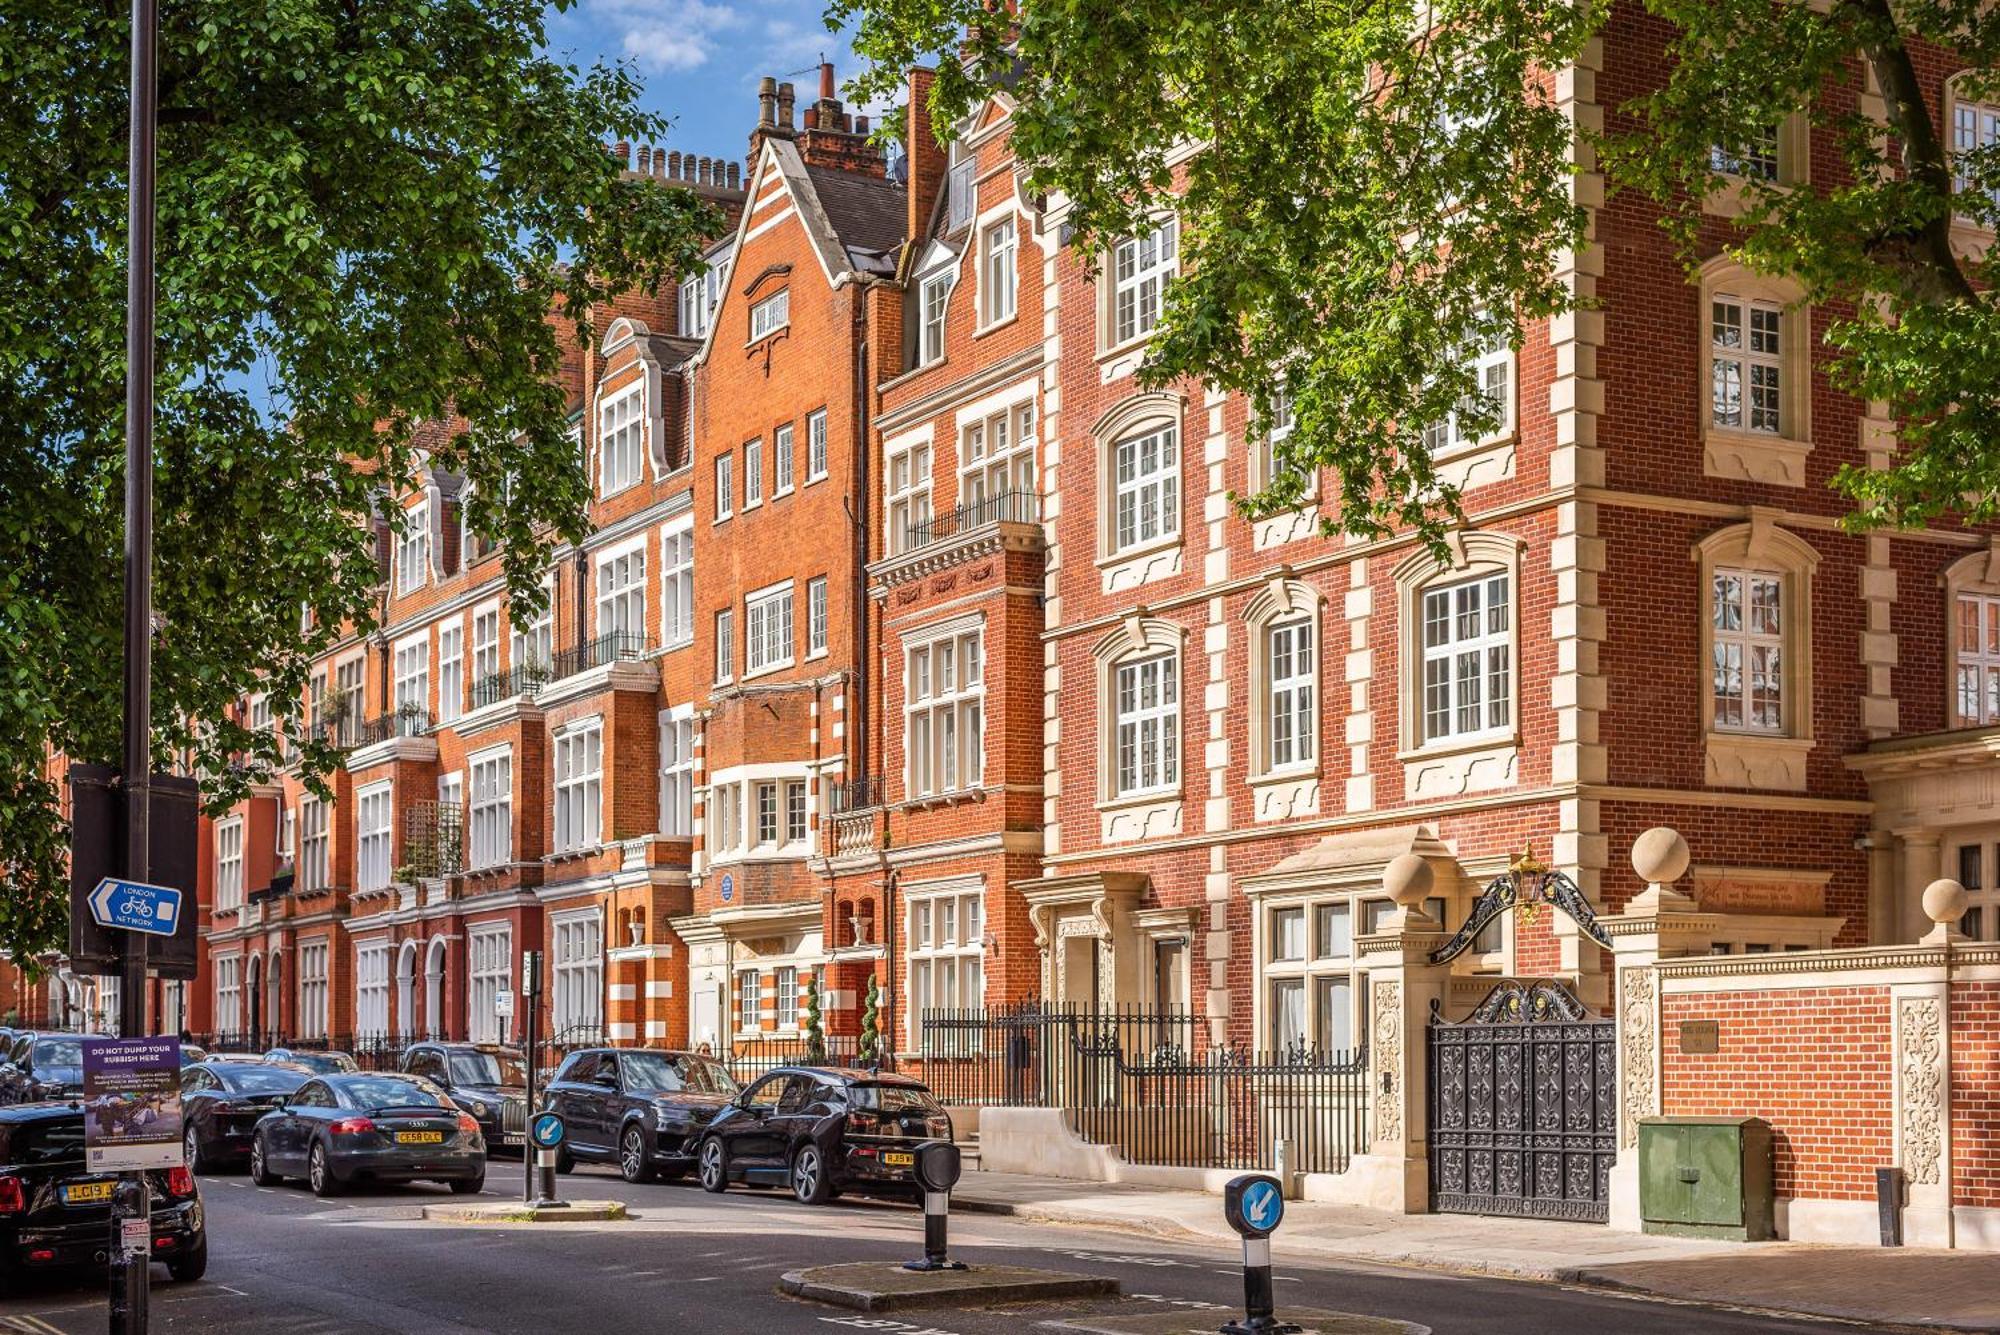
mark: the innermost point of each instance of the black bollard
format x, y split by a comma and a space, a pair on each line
938, 1168
1254, 1205
547, 1131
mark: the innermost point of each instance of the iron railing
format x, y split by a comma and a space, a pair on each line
402, 721
339, 723
858, 794
1006, 507
371, 1052
521, 679
1147, 1081
753, 1055
434, 838
619, 644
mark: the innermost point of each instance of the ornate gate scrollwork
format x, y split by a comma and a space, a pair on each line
1524, 885
1523, 1106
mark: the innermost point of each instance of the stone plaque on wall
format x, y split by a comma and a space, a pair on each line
1700, 1037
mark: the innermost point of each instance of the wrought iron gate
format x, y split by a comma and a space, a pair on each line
1523, 1111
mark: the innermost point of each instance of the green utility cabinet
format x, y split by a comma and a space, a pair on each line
1706, 1177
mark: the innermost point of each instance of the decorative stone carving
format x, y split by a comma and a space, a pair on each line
1637, 1042
1921, 1077
1389, 1061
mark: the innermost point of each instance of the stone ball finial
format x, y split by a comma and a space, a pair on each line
1660, 856
1944, 902
1408, 879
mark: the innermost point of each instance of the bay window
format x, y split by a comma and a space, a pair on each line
944, 721
492, 809
579, 781
375, 822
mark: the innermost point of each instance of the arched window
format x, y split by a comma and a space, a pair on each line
1972, 631
1756, 654
1460, 672
1140, 496
1756, 374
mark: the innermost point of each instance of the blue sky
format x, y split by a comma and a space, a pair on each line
700, 59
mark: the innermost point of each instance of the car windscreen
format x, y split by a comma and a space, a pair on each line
59, 1052
894, 1099
655, 1072
52, 1141
259, 1079
384, 1092
487, 1068
325, 1063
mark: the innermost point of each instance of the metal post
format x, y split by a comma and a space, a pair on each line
130, 1274
531, 996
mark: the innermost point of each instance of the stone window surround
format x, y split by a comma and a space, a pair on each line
1967, 235
1978, 573
1740, 453
1472, 554
1283, 599
1752, 760
1138, 636
1730, 196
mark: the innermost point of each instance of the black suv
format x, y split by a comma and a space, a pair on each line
55, 1214
640, 1108
821, 1131
484, 1079
42, 1066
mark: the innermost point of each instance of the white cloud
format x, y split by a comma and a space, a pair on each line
664, 34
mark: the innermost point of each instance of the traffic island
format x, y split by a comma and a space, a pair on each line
885, 1286
517, 1212
1307, 1320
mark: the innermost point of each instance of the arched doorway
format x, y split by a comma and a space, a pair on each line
253, 999
434, 990
406, 990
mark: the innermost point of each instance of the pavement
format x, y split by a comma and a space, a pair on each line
1907, 1288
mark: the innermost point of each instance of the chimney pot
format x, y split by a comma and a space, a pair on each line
811, 117
767, 101
861, 125
645, 159
674, 164
622, 150
826, 81
786, 96
735, 176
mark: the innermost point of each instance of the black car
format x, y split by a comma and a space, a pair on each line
485, 1079
381, 1126
55, 1214
320, 1061
640, 1108
43, 1066
221, 1104
822, 1131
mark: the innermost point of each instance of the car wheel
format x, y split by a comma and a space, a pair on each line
468, 1186
565, 1161
713, 1166
191, 1265
191, 1140
320, 1174
634, 1165
260, 1168
809, 1178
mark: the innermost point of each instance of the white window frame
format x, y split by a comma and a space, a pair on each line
314, 982
412, 659
677, 583
783, 460
1447, 683
785, 993
996, 455
766, 818
816, 443
451, 671
578, 761
1139, 271
485, 643
933, 302
816, 617
1746, 349
999, 271
489, 971
753, 473
1493, 373
371, 988
946, 929
749, 1001
536, 646
677, 772
907, 490
375, 828
1974, 125
725, 644
944, 692
725, 486
770, 640
771, 315
413, 549
577, 970
621, 440
1748, 650
1291, 692
621, 590
1146, 736
314, 844
490, 815
228, 994
795, 812
229, 864
1976, 658
1145, 488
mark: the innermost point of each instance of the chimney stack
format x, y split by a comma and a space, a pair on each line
926, 163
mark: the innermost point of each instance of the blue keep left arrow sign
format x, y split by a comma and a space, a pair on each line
136, 906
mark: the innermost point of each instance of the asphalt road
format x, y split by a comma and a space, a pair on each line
285, 1263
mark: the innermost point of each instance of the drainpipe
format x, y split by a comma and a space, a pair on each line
858, 713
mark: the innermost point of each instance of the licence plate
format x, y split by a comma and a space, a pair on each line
420, 1137
896, 1159
513, 1138
83, 1193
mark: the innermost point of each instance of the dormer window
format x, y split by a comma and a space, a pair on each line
959, 194
619, 440
699, 296
413, 549
771, 314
